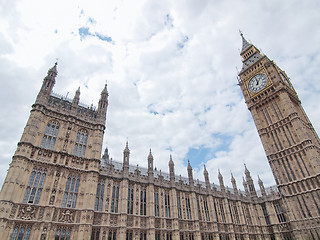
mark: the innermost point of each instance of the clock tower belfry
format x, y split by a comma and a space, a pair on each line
290, 142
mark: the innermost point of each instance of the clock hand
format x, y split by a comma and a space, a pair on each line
257, 83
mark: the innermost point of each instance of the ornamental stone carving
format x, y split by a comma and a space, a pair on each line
67, 216
27, 212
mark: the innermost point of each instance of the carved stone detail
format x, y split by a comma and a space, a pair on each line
67, 216
27, 212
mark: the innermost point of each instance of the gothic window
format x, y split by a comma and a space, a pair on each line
143, 201
169, 236
222, 210
199, 210
265, 213
206, 209
235, 209
157, 235
130, 199
21, 232
81, 143
279, 212
143, 236
35, 185
188, 207
95, 234
247, 214
167, 204
115, 198
156, 203
63, 234
50, 135
99, 196
179, 206
71, 192
129, 235
112, 235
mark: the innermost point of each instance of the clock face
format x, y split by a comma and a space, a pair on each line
257, 83
285, 79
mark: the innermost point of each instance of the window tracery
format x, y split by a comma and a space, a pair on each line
50, 135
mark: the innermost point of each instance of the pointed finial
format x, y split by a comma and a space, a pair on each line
189, 166
204, 169
150, 155
171, 161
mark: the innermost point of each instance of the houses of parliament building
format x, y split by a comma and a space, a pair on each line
58, 186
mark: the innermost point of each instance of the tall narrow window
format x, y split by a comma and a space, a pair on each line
199, 209
50, 135
279, 212
112, 235
81, 143
156, 203
35, 185
63, 234
21, 232
265, 213
71, 192
143, 236
222, 210
130, 199
115, 197
188, 207
235, 209
206, 209
179, 206
129, 235
99, 196
95, 234
167, 204
143, 201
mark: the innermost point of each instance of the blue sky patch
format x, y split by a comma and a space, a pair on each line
84, 32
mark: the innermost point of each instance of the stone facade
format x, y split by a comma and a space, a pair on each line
58, 186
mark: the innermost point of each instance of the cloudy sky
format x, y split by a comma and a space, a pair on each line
171, 69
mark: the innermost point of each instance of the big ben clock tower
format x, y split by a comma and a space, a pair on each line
290, 142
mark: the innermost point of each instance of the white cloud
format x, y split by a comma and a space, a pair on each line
171, 71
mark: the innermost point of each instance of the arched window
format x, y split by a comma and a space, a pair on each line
81, 143
35, 185
99, 196
21, 232
50, 135
71, 192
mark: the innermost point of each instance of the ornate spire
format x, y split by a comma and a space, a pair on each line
245, 43
76, 98
206, 176
49, 80
250, 54
262, 189
126, 155
103, 102
171, 169
221, 181
190, 175
234, 184
150, 164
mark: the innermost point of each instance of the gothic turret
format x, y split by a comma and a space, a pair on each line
103, 102
171, 169
150, 164
48, 84
249, 180
76, 98
245, 186
190, 175
234, 184
262, 189
221, 181
206, 177
126, 154
105, 157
